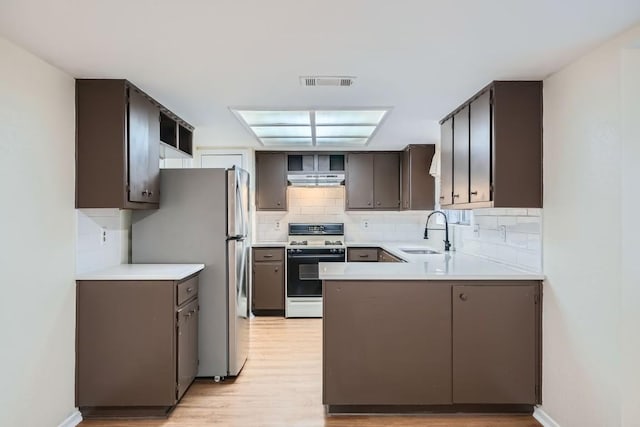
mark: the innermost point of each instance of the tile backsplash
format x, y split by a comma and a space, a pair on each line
93, 251
317, 205
510, 236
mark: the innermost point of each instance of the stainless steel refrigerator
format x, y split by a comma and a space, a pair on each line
204, 218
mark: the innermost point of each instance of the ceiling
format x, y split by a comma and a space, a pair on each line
420, 57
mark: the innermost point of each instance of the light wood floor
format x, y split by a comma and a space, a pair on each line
281, 386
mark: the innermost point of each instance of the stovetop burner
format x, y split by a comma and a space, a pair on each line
299, 243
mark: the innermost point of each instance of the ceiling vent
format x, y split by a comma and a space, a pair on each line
327, 80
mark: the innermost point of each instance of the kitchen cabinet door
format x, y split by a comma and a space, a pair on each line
118, 132
268, 286
271, 181
386, 180
386, 343
480, 148
461, 156
187, 346
359, 181
446, 162
494, 343
418, 186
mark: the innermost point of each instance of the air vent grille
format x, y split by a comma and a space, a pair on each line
344, 81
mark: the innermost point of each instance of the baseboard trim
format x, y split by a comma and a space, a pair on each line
72, 420
544, 418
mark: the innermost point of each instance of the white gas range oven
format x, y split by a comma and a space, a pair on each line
310, 244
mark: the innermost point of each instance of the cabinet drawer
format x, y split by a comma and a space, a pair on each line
268, 254
187, 290
362, 255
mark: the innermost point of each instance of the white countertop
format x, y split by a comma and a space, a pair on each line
143, 272
453, 266
269, 244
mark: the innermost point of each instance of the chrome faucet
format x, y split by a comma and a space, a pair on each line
447, 244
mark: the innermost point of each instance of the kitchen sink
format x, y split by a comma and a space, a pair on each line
419, 251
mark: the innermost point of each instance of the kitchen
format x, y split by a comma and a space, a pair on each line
573, 244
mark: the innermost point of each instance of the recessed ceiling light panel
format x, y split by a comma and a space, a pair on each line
304, 128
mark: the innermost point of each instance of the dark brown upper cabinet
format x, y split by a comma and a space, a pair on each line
480, 149
271, 181
418, 186
359, 181
496, 141
373, 181
461, 156
118, 134
446, 162
144, 149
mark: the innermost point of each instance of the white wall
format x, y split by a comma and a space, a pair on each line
37, 306
102, 238
630, 293
591, 183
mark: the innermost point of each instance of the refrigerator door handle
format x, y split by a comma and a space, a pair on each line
237, 192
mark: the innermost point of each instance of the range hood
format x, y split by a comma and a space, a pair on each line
315, 179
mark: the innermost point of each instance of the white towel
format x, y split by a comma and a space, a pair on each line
435, 164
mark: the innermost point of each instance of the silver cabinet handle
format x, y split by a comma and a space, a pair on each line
463, 297
150, 193
364, 255
268, 256
474, 193
456, 196
144, 192
276, 269
378, 203
189, 290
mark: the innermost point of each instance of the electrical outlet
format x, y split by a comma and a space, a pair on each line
365, 224
503, 232
103, 236
277, 226
476, 230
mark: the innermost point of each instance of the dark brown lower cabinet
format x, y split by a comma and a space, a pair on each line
370, 255
362, 255
495, 357
385, 345
136, 345
453, 346
268, 281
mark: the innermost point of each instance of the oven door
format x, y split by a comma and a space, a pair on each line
302, 273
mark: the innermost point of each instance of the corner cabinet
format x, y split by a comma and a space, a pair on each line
373, 181
268, 281
491, 149
271, 181
137, 345
118, 134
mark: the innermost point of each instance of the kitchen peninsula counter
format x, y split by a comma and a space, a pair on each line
442, 266
436, 333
